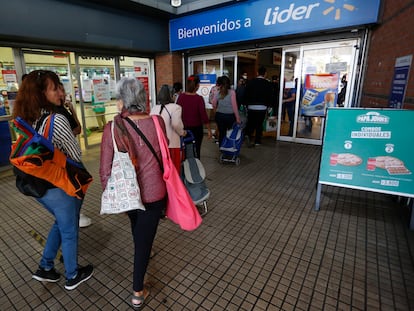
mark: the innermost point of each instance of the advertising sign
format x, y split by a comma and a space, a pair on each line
399, 81
319, 93
141, 71
9, 76
207, 81
101, 90
256, 19
368, 149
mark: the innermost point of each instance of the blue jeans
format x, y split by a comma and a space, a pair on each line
65, 230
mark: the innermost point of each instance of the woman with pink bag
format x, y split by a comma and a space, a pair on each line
131, 103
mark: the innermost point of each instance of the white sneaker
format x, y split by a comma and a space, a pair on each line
84, 221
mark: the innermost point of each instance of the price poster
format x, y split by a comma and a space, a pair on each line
369, 149
320, 92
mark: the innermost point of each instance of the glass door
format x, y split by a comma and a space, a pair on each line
210, 67
319, 75
289, 90
94, 91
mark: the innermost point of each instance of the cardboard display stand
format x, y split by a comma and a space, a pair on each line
368, 149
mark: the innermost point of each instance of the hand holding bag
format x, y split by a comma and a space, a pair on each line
122, 191
180, 207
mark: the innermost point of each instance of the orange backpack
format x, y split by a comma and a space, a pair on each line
38, 162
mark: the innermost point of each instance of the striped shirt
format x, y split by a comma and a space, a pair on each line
63, 137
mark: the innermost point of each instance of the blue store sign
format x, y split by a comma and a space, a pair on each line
268, 18
399, 81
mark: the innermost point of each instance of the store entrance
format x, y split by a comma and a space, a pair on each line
307, 79
314, 78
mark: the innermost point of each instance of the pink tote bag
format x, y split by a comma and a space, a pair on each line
180, 207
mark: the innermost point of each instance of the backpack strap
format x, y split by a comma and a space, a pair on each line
48, 131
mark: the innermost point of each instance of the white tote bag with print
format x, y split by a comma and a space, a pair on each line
122, 191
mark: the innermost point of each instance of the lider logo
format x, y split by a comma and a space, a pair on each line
337, 9
279, 15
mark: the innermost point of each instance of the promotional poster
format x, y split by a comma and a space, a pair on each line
320, 92
369, 149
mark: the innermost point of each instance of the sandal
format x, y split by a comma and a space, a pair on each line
138, 301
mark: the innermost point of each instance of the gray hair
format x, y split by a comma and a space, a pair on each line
132, 93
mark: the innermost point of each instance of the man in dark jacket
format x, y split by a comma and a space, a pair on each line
258, 97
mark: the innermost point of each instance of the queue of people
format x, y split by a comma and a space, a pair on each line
42, 94
194, 114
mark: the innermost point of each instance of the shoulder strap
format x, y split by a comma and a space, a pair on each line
113, 137
145, 140
48, 130
162, 108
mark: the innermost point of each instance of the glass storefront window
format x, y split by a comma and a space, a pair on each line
8, 80
138, 68
95, 75
8, 91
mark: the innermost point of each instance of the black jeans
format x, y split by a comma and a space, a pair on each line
255, 119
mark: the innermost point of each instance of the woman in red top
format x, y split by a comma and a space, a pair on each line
194, 113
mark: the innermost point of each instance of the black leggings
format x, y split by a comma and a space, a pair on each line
144, 227
224, 122
198, 132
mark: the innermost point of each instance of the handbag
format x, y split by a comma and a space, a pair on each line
122, 191
40, 166
30, 185
180, 207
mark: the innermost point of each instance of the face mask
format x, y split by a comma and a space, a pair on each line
244, 77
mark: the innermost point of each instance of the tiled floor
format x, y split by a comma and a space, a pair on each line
261, 246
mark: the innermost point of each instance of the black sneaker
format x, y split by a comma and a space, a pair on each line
84, 274
43, 275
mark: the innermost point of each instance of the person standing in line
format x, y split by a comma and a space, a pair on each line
171, 113
66, 108
241, 87
258, 97
131, 103
289, 100
177, 90
225, 104
194, 112
215, 89
342, 93
36, 100
276, 94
